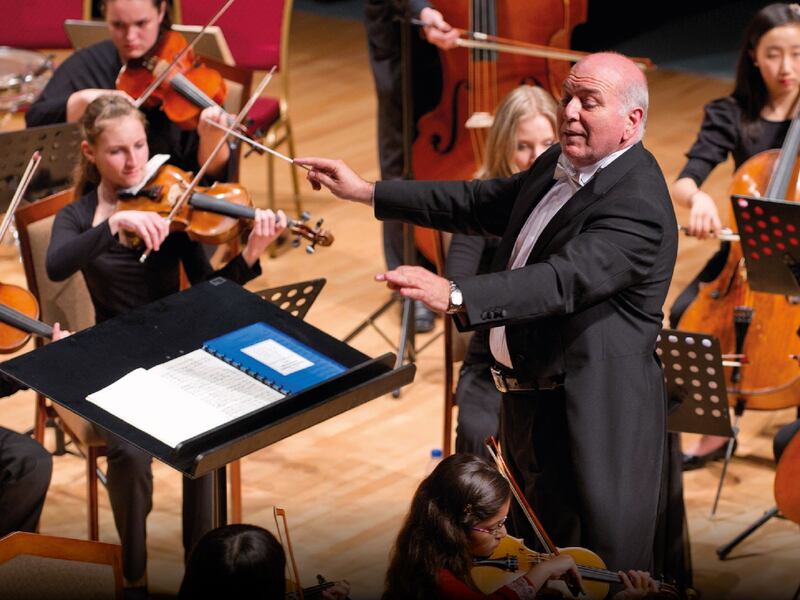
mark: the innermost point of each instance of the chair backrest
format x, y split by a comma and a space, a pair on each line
257, 31
67, 302
34, 566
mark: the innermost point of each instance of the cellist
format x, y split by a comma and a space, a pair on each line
135, 27
753, 118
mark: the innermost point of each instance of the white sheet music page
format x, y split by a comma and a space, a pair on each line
184, 397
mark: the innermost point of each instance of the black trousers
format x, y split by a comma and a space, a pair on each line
478, 404
25, 469
130, 489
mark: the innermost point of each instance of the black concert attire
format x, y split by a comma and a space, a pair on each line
118, 282
381, 19
476, 396
97, 67
25, 469
584, 430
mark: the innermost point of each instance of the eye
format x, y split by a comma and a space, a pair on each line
522, 146
565, 99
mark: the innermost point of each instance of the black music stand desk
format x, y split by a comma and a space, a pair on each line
70, 369
769, 232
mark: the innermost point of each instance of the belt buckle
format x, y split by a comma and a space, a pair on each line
499, 380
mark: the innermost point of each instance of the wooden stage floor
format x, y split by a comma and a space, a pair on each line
347, 483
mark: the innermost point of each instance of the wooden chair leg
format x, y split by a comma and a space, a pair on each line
91, 493
40, 419
236, 491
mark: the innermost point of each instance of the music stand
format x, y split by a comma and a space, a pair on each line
67, 372
295, 298
769, 232
60, 146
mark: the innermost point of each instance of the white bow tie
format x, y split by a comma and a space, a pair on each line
564, 170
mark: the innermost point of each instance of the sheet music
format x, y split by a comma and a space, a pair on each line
184, 397
277, 356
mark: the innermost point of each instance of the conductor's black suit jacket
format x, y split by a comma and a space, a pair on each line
587, 307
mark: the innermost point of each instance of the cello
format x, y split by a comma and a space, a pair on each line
761, 327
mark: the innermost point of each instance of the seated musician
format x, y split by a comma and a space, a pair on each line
135, 27
458, 513
25, 469
245, 562
88, 237
524, 127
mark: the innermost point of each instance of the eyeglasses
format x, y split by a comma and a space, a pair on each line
492, 530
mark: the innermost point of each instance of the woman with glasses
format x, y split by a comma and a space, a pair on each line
458, 514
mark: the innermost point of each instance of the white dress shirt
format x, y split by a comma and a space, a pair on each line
569, 180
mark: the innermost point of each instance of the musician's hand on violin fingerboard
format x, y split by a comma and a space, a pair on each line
215, 114
439, 32
339, 591
553, 568
638, 584
58, 333
267, 226
150, 227
704, 217
340, 179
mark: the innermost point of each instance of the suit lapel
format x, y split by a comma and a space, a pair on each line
584, 198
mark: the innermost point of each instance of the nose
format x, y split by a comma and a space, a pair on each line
572, 108
130, 34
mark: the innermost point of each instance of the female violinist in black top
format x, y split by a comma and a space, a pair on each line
87, 237
135, 26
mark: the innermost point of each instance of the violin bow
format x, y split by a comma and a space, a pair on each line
163, 75
279, 512
255, 144
187, 193
478, 40
530, 514
24, 182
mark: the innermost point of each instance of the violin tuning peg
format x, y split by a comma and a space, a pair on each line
319, 223
305, 216
309, 249
296, 243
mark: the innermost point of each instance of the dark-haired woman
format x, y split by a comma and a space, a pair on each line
134, 27
458, 513
754, 118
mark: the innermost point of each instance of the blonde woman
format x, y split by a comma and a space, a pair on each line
524, 127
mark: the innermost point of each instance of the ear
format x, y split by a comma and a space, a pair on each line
162, 11
88, 151
633, 121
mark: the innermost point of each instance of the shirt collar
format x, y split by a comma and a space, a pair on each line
578, 177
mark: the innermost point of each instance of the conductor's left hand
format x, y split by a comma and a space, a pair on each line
420, 284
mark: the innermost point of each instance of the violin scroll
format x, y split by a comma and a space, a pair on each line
316, 235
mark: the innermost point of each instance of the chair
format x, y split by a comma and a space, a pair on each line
69, 303
34, 566
258, 35
36, 24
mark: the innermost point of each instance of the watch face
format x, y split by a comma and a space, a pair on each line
455, 297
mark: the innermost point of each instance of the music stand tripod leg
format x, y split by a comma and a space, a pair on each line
728, 453
723, 551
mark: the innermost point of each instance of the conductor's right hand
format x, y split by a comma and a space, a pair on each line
150, 227
340, 179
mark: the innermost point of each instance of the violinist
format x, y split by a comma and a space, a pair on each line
135, 27
524, 126
753, 118
88, 236
25, 469
241, 561
457, 515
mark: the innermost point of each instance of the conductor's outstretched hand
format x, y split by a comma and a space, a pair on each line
340, 179
420, 284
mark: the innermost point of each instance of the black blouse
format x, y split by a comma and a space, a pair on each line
97, 66
721, 134
117, 281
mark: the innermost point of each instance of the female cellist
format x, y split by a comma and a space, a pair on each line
458, 513
87, 237
135, 27
754, 118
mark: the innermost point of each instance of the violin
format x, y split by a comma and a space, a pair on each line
214, 215
760, 327
512, 559
189, 88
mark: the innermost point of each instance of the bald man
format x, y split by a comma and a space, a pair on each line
589, 241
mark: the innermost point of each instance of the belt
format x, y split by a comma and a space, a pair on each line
505, 381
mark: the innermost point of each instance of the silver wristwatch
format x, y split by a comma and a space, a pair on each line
456, 303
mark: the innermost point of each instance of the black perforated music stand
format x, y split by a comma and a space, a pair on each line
60, 146
695, 381
769, 232
294, 298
